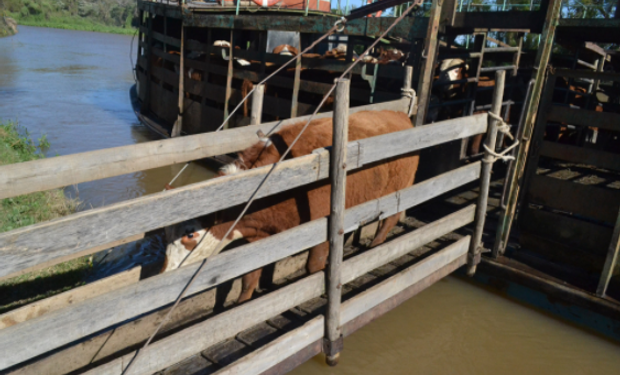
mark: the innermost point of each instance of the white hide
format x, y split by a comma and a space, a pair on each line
177, 254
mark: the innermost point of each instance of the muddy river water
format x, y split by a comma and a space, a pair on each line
73, 86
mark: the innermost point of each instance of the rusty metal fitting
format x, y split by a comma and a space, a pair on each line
333, 348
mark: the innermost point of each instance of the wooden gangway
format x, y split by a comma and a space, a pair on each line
53, 341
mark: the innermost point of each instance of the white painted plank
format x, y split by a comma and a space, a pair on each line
40, 335
70, 297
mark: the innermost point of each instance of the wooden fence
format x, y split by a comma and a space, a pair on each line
567, 221
70, 338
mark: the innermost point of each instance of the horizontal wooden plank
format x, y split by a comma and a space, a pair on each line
63, 327
582, 117
70, 297
26, 247
586, 236
60, 171
575, 154
176, 347
367, 261
278, 350
398, 143
199, 337
603, 76
67, 258
357, 305
579, 199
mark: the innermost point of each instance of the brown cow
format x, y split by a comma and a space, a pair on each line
198, 239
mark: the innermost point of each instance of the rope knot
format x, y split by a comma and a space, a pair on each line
503, 128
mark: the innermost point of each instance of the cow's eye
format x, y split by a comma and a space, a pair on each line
191, 235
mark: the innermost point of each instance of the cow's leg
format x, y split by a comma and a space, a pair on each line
384, 227
249, 283
474, 148
317, 258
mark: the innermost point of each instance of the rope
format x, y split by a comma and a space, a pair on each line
503, 128
274, 166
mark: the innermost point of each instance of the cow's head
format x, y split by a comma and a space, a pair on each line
451, 70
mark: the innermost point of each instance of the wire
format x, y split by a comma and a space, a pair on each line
274, 166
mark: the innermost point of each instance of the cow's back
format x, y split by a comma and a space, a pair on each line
370, 182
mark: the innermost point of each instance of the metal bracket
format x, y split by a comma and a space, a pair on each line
371, 79
331, 348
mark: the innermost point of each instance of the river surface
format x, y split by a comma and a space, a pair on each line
73, 86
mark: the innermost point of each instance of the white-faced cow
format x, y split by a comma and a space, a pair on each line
198, 239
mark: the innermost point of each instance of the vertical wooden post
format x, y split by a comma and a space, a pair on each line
257, 105
146, 105
610, 261
475, 248
333, 342
296, 84
229, 76
178, 125
426, 75
542, 59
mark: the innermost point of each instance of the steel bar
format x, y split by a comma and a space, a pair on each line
542, 59
475, 249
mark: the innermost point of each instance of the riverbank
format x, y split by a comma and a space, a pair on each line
8, 27
16, 146
106, 16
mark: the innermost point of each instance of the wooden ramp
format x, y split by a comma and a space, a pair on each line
285, 324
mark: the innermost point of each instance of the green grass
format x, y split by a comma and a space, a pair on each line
73, 23
16, 146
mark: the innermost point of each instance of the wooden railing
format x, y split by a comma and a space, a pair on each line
77, 234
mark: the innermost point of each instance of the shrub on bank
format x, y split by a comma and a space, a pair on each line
16, 146
110, 16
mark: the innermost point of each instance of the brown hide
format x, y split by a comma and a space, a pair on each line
286, 210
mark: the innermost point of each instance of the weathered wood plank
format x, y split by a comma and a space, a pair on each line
584, 200
381, 292
56, 261
50, 173
38, 243
285, 347
398, 143
278, 350
582, 117
574, 154
607, 76
580, 234
70, 297
38, 336
363, 263
199, 337
338, 180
